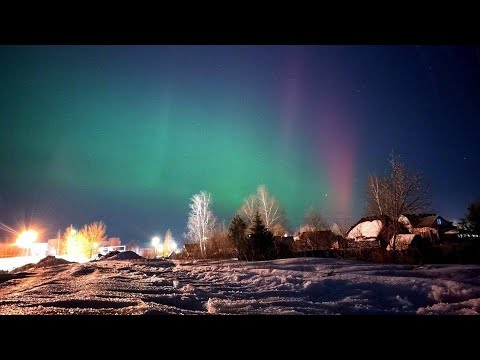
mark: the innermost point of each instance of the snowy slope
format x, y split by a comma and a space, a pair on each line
290, 286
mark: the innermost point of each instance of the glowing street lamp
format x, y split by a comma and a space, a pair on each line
155, 243
26, 239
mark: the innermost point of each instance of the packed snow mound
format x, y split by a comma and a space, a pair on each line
45, 262
125, 255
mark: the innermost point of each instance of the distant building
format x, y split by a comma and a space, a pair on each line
111, 244
10, 249
111, 241
39, 249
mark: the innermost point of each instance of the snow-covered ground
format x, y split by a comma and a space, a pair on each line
289, 286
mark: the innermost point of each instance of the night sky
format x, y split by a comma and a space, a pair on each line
127, 134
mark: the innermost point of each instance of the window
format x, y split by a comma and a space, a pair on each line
439, 221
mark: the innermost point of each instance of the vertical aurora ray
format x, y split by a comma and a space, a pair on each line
297, 146
336, 152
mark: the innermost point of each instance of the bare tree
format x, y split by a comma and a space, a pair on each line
376, 195
201, 221
267, 206
70, 242
401, 192
313, 221
249, 209
91, 236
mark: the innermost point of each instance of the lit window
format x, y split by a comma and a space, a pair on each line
439, 221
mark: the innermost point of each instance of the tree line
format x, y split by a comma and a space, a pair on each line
251, 232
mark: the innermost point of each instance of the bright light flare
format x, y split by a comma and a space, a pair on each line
26, 238
155, 241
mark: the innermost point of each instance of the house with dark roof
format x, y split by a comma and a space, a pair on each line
429, 226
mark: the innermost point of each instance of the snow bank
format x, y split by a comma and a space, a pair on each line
287, 286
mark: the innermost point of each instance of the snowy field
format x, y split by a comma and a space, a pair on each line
289, 286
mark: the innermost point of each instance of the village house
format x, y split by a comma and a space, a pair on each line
428, 226
374, 232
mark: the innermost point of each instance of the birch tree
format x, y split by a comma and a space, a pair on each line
271, 213
201, 221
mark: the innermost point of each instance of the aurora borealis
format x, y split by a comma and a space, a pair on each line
127, 134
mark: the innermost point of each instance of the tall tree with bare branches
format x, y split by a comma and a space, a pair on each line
400, 192
201, 220
91, 236
313, 221
271, 213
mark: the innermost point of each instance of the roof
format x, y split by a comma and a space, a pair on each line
387, 229
383, 218
424, 220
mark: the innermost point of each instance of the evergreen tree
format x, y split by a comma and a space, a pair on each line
473, 217
236, 235
260, 240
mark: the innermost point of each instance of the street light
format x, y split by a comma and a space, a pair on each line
26, 239
155, 243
